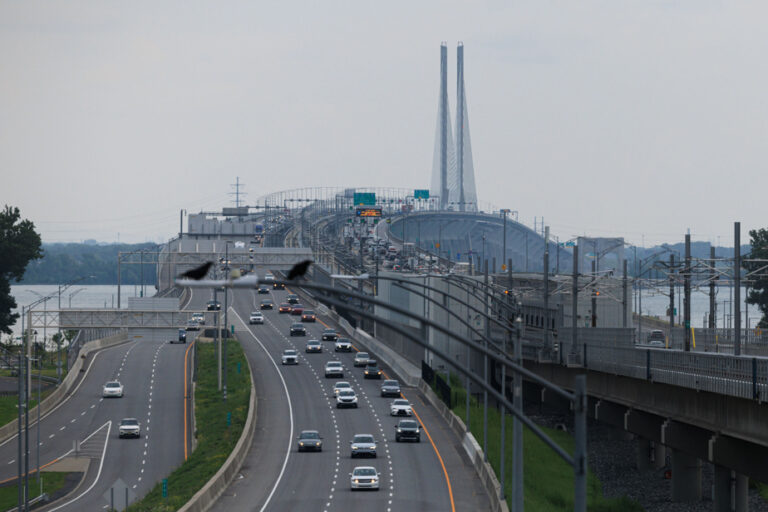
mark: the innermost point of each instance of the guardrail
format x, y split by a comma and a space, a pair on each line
738, 376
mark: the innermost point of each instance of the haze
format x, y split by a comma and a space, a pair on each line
637, 119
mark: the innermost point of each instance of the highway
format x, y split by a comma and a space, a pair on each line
295, 398
152, 373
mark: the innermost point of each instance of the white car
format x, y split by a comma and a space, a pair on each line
129, 427
364, 477
342, 384
361, 358
257, 317
343, 345
334, 369
363, 445
112, 388
290, 356
400, 407
346, 398
199, 318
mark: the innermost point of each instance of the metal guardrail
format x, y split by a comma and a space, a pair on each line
738, 376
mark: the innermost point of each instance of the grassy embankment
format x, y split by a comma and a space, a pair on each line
8, 404
548, 481
215, 439
52, 482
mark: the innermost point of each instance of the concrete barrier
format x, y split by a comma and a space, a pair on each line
60, 393
207, 496
472, 447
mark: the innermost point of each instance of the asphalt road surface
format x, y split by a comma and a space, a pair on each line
428, 476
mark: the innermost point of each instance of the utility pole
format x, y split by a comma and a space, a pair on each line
485, 360
546, 286
712, 317
687, 292
575, 298
737, 288
624, 297
594, 296
671, 294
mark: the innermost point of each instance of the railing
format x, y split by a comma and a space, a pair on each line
739, 376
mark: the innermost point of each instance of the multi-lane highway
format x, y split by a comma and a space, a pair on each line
431, 475
152, 373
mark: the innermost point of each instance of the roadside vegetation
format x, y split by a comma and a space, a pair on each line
216, 435
52, 482
548, 483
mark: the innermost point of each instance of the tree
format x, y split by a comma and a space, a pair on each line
19, 244
758, 288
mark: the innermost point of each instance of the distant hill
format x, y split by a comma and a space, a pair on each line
65, 262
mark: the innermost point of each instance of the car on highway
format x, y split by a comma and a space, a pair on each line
298, 329
192, 325
657, 339
269, 276
257, 317
213, 305
361, 359
330, 335
297, 309
363, 445
290, 356
343, 345
407, 430
112, 388
308, 316
309, 440
278, 286
267, 304
372, 370
400, 407
284, 308
346, 398
364, 477
180, 338
390, 388
129, 427
292, 298
334, 369
199, 318
313, 346
263, 289
342, 384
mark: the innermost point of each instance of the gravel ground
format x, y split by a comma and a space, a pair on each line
612, 459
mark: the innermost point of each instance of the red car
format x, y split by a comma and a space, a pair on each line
308, 316
297, 309
284, 308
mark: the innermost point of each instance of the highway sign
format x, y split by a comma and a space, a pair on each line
421, 194
365, 198
368, 212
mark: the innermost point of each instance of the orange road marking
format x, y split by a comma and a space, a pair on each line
186, 353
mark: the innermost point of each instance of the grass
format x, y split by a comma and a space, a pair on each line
215, 440
52, 482
548, 481
762, 489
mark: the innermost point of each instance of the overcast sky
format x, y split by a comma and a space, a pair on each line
635, 118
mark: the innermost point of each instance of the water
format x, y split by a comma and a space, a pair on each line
656, 304
92, 296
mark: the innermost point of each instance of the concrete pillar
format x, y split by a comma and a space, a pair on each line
686, 477
742, 493
659, 455
722, 489
643, 454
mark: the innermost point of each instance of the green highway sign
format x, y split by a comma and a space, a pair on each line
364, 198
421, 194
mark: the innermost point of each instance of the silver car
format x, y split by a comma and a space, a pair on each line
346, 398
342, 384
361, 358
129, 427
364, 477
290, 356
363, 445
334, 369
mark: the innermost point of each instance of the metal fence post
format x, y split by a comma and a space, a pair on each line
580, 445
648, 364
755, 393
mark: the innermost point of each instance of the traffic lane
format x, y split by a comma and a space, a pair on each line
125, 459
73, 419
351, 421
272, 432
312, 411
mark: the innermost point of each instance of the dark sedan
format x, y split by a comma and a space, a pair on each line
267, 304
298, 330
407, 430
310, 440
330, 335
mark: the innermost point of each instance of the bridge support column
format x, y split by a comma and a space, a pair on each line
659, 455
742, 493
722, 489
643, 454
686, 477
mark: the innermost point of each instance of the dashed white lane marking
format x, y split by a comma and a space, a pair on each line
11, 462
62, 428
